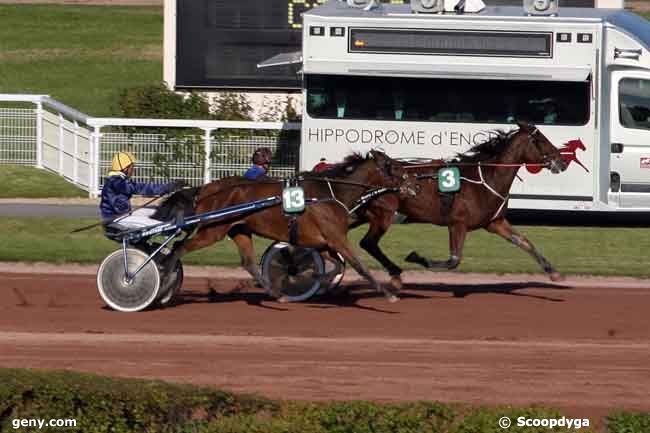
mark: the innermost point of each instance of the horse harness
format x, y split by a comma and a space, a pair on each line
372, 192
448, 198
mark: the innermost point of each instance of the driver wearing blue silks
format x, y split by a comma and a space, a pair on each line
115, 205
261, 162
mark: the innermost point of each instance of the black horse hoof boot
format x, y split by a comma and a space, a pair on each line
414, 258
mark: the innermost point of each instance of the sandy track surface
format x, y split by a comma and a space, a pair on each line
478, 340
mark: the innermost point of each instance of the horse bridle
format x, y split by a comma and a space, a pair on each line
532, 139
405, 187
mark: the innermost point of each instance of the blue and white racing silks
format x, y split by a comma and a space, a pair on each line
118, 189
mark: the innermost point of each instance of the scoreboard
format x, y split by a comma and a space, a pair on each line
220, 42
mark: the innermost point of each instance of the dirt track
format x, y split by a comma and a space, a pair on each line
586, 350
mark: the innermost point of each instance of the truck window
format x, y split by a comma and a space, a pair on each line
634, 103
443, 100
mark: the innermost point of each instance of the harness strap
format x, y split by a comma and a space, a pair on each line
487, 185
329, 184
369, 196
293, 230
504, 199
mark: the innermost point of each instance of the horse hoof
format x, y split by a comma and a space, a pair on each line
283, 300
392, 299
396, 282
556, 277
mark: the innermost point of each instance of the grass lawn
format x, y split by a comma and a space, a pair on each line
103, 404
594, 251
28, 182
80, 55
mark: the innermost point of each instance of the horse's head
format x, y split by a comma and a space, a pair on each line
537, 149
389, 173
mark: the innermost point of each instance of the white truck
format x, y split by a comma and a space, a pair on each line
424, 85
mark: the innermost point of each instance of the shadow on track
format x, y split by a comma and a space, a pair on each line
351, 294
464, 290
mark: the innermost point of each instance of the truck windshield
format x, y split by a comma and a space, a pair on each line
447, 100
634, 102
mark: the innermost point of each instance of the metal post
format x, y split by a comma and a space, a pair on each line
207, 177
75, 156
94, 158
61, 135
39, 134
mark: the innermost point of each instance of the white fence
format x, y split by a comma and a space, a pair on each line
40, 131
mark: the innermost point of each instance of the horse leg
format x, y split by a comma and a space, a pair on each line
370, 243
330, 256
503, 228
457, 234
345, 249
244, 241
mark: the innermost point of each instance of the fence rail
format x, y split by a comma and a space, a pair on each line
40, 131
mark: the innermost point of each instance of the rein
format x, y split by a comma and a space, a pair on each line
474, 164
374, 191
119, 218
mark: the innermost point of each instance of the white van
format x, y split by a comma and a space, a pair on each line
431, 85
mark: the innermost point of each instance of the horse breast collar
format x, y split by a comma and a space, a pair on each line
482, 181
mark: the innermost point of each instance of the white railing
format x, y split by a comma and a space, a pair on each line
56, 137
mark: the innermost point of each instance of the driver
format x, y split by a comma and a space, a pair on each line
118, 188
261, 162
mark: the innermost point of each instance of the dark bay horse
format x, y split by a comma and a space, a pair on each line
488, 171
323, 225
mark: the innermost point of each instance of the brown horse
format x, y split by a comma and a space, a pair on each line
488, 171
323, 225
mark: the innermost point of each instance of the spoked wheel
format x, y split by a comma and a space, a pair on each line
171, 285
123, 295
293, 270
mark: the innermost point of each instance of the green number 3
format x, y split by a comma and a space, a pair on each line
449, 179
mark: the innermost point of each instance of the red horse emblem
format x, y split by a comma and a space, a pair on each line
568, 152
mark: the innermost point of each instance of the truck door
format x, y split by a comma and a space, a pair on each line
630, 138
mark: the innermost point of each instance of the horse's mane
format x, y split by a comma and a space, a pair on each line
342, 169
490, 148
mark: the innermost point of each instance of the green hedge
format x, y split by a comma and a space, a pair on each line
101, 404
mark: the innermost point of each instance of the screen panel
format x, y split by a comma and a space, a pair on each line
450, 42
220, 42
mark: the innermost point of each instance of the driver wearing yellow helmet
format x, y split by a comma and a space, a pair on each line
118, 188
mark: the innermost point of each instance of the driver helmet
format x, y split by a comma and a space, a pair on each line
121, 161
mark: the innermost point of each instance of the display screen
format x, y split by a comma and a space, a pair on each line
220, 42
449, 42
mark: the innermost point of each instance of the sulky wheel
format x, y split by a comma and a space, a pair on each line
171, 285
293, 270
123, 295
